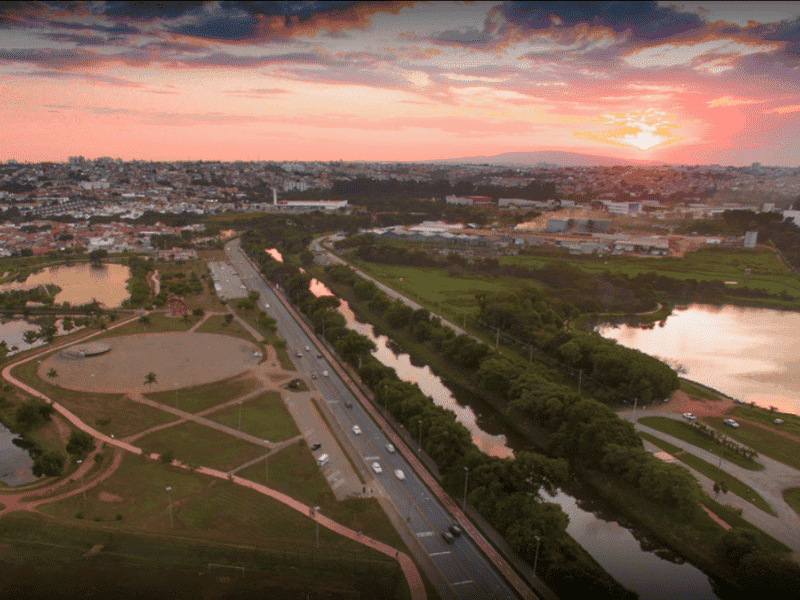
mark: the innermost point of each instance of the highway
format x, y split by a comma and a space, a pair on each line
468, 574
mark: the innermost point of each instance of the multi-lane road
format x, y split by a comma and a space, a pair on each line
467, 573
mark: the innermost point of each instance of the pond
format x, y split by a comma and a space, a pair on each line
747, 353
630, 557
15, 463
81, 283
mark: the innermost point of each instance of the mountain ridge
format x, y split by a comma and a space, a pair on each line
548, 157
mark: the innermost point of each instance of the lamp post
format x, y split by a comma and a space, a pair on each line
83, 485
169, 496
266, 458
316, 510
536, 558
240, 415
420, 435
466, 478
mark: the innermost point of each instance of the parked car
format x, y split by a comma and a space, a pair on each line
455, 529
778, 421
356, 429
316, 446
399, 474
377, 468
390, 448
689, 416
731, 423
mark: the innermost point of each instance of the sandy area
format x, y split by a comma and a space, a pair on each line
177, 359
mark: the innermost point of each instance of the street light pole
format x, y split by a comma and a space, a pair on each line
240, 415
466, 478
169, 495
83, 485
316, 510
536, 558
420, 434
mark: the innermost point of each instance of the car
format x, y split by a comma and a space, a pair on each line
356, 429
324, 373
689, 416
319, 355
257, 354
778, 421
313, 376
665, 400
316, 446
299, 354
377, 468
243, 287
448, 537
455, 529
731, 423
399, 474
348, 404
390, 448
308, 349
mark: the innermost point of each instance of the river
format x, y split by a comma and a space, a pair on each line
636, 562
747, 353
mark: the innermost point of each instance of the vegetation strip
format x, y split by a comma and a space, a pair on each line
731, 483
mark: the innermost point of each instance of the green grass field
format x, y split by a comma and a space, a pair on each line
712, 472
199, 397
695, 389
762, 441
198, 445
217, 324
791, 423
264, 416
792, 497
685, 432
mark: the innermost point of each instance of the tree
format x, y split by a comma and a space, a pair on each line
150, 379
96, 257
50, 464
67, 324
720, 487
80, 444
52, 373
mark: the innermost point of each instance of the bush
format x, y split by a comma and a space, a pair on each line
80, 444
79, 515
50, 464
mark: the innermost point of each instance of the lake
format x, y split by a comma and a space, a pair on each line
747, 353
81, 283
15, 463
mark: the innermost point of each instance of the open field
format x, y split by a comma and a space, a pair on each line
197, 445
714, 473
685, 432
294, 472
762, 441
205, 299
264, 416
695, 389
155, 322
791, 423
217, 324
199, 397
251, 317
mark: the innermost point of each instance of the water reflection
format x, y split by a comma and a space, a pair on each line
274, 254
15, 463
82, 283
750, 354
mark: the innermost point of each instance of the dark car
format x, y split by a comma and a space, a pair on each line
456, 530
448, 537
316, 446
348, 404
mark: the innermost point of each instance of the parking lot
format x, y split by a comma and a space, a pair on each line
226, 281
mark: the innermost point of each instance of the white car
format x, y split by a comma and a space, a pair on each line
399, 474
377, 468
778, 421
390, 448
731, 423
356, 429
689, 416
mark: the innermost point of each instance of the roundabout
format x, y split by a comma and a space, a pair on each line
178, 360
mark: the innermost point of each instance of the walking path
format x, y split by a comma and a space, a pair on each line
769, 484
14, 502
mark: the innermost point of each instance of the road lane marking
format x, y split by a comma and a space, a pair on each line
439, 553
423, 534
462, 582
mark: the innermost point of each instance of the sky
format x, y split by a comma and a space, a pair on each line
678, 82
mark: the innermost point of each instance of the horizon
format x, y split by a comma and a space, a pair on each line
684, 83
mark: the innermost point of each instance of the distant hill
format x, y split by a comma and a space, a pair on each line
546, 157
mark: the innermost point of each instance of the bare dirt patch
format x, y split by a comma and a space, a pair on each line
178, 359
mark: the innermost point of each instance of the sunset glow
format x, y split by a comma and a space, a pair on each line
400, 81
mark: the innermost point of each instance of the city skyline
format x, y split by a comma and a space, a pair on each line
691, 83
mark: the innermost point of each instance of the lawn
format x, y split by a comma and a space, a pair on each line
200, 397
270, 338
712, 472
692, 388
264, 416
762, 441
294, 472
217, 324
198, 445
792, 497
685, 432
156, 322
791, 423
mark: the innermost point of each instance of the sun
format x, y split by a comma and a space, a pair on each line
640, 129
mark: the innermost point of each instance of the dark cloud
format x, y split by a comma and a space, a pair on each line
645, 20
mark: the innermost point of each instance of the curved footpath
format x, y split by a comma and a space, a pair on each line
769, 484
409, 568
